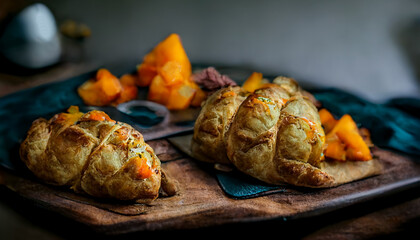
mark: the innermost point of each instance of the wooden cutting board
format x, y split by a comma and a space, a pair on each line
202, 203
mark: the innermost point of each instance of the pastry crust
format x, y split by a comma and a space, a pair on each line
276, 136
90, 153
209, 139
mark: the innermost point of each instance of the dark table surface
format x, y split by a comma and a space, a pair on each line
389, 217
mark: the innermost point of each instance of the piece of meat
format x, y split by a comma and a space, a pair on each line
212, 80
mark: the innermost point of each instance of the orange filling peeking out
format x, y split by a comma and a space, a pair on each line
228, 94
265, 102
73, 115
142, 168
97, 116
310, 134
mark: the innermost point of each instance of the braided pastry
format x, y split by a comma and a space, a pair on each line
93, 154
273, 134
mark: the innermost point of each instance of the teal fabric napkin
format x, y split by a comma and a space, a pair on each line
394, 125
20, 109
238, 185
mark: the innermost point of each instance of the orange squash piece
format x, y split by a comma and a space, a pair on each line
167, 70
335, 150
129, 89
347, 131
128, 79
171, 49
88, 92
158, 91
150, 58
327, 120
199, 97
357, 148
357, 155
104, 73
147, 70
180, 97
344, 141
171, 72
345, 123
128, 93
253, 82
145, 73
101, 90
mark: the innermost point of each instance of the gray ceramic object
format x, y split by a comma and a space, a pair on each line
31, 38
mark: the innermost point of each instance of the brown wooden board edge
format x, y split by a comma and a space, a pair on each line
63, 206
359, 197
98, 219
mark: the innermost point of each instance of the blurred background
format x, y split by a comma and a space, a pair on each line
370, 48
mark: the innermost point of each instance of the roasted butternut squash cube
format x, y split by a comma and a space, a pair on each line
150, 58
199, 97
166, 70
158, 91
171, 72
129, 89
357, 148
347, 131
100, 91
146, 73
104, 73
171, 49
335, 150
345, 123
128, 79
327, 120
168, 50
180, 97
253, 82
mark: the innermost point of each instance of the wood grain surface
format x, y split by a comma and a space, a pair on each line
202, 203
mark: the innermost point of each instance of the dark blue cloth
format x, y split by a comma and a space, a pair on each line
394, 125
20, 109
239, 185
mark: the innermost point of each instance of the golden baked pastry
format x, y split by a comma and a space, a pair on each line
274, 135
209, 143
93, 154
